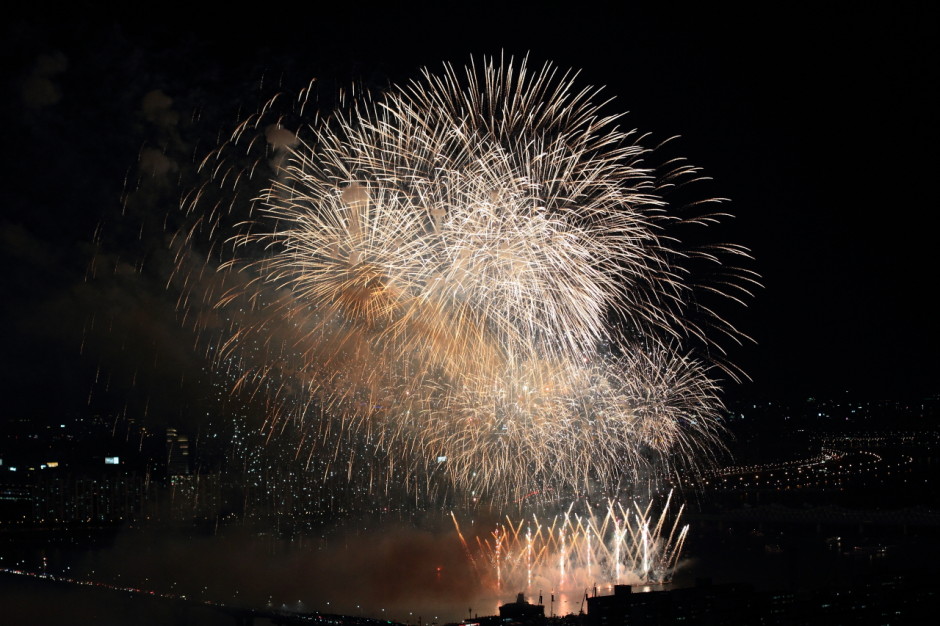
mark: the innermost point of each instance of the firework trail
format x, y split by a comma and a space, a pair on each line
474, 272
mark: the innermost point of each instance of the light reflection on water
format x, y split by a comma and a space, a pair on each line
722, 556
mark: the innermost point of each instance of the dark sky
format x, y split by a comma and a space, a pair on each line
816, 124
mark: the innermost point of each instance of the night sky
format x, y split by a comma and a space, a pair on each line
817, 125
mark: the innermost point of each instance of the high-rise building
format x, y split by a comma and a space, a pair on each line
177, 453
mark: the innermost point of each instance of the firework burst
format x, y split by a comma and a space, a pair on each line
437, 270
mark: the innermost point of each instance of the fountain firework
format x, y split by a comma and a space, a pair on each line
473, 275
574, 551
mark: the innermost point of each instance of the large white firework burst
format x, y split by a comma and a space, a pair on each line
438, 269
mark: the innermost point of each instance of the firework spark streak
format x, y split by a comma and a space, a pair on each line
475, 274
618, 544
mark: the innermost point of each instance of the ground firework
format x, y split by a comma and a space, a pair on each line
618, 543
448, 271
